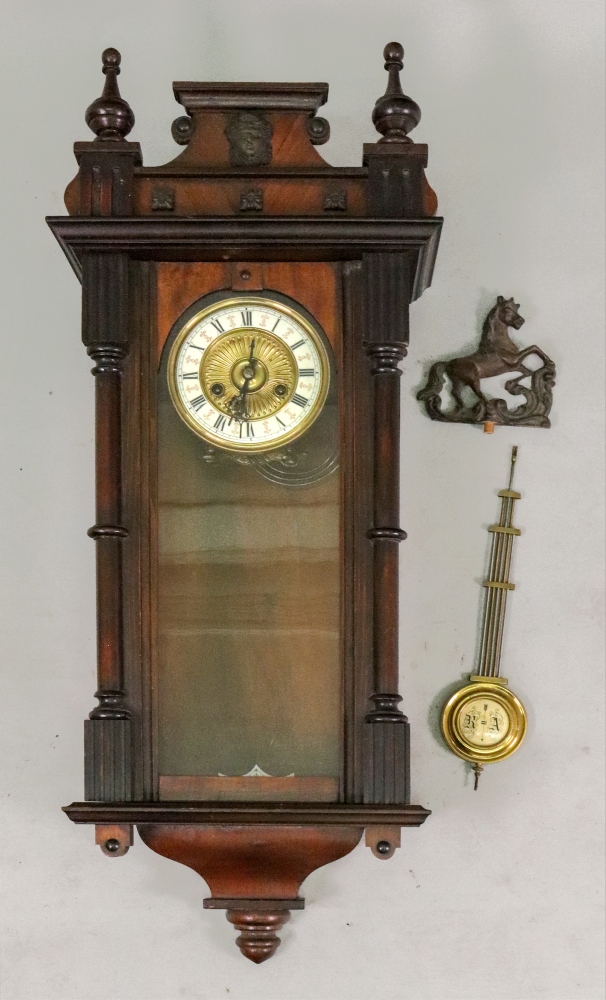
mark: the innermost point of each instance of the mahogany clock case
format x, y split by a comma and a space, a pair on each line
248, 208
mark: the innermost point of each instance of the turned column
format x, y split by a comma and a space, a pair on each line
386, 533
107, 731
388, 292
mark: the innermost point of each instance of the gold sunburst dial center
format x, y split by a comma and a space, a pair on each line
254, 369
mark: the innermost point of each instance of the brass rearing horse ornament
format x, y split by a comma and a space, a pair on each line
496, 355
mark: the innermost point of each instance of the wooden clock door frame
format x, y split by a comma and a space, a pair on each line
317, 288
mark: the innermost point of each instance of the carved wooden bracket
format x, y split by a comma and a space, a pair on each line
114, 839
254, 873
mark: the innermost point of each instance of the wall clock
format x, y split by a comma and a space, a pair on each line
246, 308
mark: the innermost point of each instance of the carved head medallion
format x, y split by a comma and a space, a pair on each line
249, 136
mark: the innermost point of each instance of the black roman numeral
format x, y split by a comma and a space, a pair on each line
217, 325
246, 317
306, 372
250, 431
190, 375
294, 347
299, 400
281, 422
220, 422
194, 347
276, 323
198, 402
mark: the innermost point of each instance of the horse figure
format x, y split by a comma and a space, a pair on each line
496, 355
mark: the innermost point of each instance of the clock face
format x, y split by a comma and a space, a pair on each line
248, 374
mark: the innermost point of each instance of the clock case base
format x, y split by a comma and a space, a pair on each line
377, 224
253, 857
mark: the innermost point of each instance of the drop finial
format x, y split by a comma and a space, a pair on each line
110, 116
395, 114
258, 939
477, 770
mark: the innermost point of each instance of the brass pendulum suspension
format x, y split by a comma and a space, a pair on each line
498, 583
484, 721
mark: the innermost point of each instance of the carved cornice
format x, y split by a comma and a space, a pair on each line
296, 97
252, 238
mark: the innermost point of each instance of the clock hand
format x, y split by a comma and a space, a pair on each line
238, 405
251, 369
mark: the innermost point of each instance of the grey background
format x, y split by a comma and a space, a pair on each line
497, 897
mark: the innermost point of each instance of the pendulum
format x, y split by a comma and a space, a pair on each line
484, 721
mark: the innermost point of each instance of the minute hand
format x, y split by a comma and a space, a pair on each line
239, 405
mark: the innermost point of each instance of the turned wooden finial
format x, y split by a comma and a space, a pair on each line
395, 114
258, 939
110, 117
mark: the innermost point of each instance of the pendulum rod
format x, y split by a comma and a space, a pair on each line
488, 607
496, 662
498, 584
